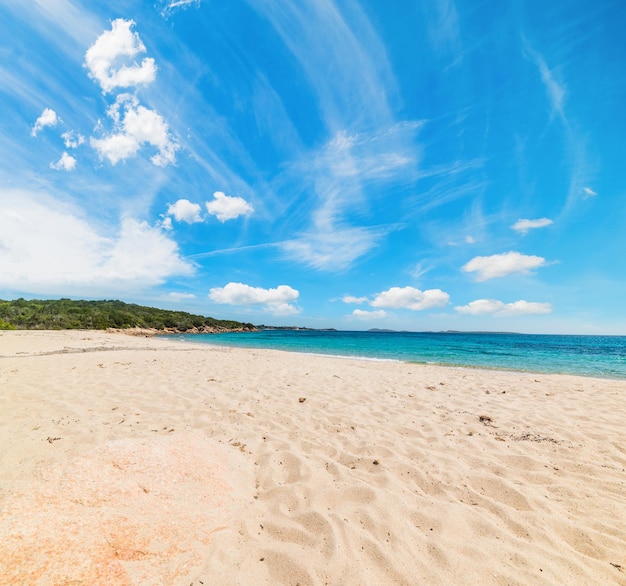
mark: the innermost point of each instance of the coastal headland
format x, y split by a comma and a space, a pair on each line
141, 460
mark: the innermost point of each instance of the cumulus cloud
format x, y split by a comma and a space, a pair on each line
47, 248
588, 192
65, 163
410, 298
362, 314
498, 308
185, 211
523, 226
353, 299
134, 126
48, 118
501, 265
72, 139
278, 301
110, 60
225, 207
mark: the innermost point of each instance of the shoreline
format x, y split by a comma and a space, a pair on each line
141, 460
486, 367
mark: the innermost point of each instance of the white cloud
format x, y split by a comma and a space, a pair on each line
556, 91
589, 192
185, 211
410, 298
66, 162
278, 300
173, 5
110, 58
180, 296
353, 299
47, 248
135, 125
362, 314
48, 118
72, 139
333, 250
225, 207
498, 308
501, 265
523, 226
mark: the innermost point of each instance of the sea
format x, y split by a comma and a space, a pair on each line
597, 356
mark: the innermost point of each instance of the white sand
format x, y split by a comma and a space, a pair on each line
127, 460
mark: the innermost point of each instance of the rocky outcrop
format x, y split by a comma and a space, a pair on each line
136, 331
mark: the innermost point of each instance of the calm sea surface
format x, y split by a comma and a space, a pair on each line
602, 356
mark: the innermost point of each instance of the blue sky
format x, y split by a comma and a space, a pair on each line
418, 165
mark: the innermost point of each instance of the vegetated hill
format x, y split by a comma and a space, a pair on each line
66, 314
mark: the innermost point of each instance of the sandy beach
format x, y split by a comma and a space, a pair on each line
142, 461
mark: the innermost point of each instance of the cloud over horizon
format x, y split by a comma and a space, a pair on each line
502, 265
278, 301
500, 309
45, 247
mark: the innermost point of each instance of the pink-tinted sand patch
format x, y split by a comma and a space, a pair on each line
135, 511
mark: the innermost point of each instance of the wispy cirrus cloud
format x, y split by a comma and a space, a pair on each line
333, 250
347, 175
499, 309
357, 57
555, 89
170, 6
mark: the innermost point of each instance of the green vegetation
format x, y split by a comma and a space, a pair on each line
65, 314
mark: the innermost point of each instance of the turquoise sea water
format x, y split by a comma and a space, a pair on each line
601, 356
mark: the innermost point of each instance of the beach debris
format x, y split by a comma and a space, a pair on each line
376, 462
52, 439
301, 399
616, 566
485, 419
533, 437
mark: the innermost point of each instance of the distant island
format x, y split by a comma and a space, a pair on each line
67, 314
